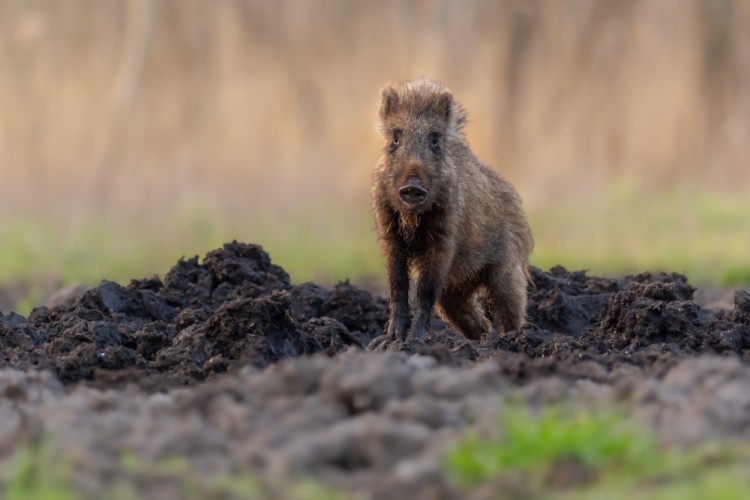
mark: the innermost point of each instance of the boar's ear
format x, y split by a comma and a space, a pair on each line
451, 111
388, 101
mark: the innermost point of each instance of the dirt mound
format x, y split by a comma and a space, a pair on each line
236, 308
234, 370
204, 318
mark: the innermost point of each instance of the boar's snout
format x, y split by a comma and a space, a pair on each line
413, 193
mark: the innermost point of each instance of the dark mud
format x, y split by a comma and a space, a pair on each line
232, 309
227, 364
237, 308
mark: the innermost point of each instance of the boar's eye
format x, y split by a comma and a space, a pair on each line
396, 140
434, 140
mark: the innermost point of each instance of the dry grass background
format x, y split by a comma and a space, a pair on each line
177, 123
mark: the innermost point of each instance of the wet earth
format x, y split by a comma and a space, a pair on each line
229, 367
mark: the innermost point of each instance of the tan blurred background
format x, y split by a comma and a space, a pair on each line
133, 132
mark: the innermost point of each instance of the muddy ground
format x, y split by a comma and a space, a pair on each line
227, 365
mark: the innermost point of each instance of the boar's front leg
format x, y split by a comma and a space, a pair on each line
397, 268
394, 252
433, 270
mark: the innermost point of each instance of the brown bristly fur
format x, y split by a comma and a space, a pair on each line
469, 233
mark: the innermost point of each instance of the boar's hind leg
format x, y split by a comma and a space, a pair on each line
460, 308
507, 287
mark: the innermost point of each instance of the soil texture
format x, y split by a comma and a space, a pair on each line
227, 365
